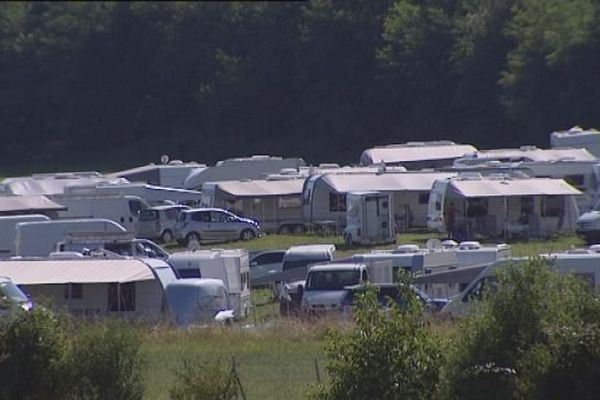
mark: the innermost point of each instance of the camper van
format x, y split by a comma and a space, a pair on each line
369, 219
8, 231
230, 266
40, 238
122, 209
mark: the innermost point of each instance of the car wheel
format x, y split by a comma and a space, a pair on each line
247, 234
299, 229
167, 236
284, 230
192, 236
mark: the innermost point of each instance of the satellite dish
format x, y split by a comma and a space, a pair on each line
434, 245
193, 245
164, 159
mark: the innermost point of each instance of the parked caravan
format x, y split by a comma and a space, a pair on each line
170, 174
40, 238
369, 218
255, 167
28, 204
159, 222
324, 196
472, 206
523, 154
122, 209
121, 243
8, 231
416, 155
276, 203
52, 183
89, 286
198, 301
153, 195
230, 266
578, 138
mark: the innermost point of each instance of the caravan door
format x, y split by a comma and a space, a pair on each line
435, 208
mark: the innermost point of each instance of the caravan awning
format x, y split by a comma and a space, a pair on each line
513, 187
48, 272
258, 188
385, 182
12, 204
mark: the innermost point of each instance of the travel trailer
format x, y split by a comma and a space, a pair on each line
199, 301
230, 266
8, 231
416, 155
122, 209
369, 218
324, 196
254, 167
471, 206
170, 174
40, 238
275, 202
579, 138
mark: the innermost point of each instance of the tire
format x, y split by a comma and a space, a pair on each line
247, 234
167, 236
284, 230
299, 229
192, 236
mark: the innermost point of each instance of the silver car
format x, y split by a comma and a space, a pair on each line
214, 224
159, 222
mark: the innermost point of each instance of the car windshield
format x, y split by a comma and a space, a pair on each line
148, 215
332, 280
11, 291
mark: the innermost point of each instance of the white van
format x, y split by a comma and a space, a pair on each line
230, 266
122, 209
41, 238
369, 218
8, 231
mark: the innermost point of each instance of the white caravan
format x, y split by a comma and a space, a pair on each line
198, 300
8, 231
254, 167
416, 155
52, 183
275, 202
577, 137
369, 218
502, 206
230, 266
122, 209
582, 263
169, 173
40, 238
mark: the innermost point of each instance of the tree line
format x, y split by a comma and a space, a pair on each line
113, 84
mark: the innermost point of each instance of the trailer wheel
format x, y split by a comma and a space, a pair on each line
167, 236
299, 229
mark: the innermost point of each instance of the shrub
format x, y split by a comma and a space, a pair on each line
105, 363
32, 355
201, 380
387, 356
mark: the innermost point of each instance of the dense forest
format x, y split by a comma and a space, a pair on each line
113, 84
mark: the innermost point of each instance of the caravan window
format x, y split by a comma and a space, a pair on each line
121, 297
477, 207
337, 202
424, 198
75, 292
135, 207
552, 206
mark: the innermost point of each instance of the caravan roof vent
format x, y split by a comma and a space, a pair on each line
407, 248
470, 176
449, 244
528, 148
175, 162
469, 245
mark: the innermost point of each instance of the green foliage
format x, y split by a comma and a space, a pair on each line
522, 336
106, 363
387, 356
201, 380
32, 355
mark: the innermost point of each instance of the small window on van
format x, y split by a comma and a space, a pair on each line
148, 215
135, 207
171, 213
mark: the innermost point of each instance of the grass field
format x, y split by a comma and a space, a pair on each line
276, 357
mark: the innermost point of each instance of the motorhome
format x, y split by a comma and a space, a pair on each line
8, 231
471, 206
581, 262
579, 138
254, 167
275, 202
230, 266
416, 155
324, 196
40, 238
369, 219
122, 209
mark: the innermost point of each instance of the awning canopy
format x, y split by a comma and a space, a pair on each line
48, 272
513, 187
387, 182
258, 188
12, 204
